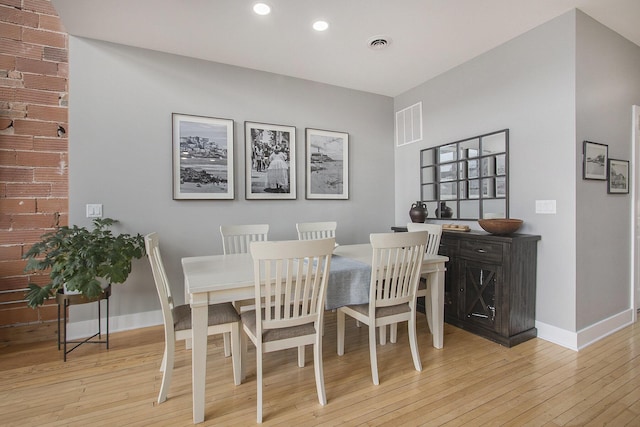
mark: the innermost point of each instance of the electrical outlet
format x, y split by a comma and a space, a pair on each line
94, 211
545, 206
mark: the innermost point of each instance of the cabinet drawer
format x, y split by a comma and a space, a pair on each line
481, 251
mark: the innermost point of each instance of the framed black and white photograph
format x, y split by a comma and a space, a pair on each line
202, 158
270, 153
618, 177
327, 164
594, 160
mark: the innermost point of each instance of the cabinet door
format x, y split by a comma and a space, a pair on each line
448, 248
480, 293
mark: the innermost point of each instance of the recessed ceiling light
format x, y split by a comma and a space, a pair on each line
320, 25
261, 8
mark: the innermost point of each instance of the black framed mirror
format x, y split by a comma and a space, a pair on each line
467, 179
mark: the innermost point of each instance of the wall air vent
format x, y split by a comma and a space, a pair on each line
409, 125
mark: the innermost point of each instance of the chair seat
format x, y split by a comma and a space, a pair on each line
219, 314
381, 311
248, 319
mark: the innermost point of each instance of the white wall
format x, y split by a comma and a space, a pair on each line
525, 85
121, 100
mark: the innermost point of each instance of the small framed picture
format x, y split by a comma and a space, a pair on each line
202, 158
618, 182
270, 153
327, 162
594, 160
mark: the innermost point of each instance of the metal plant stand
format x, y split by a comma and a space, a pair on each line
66, 300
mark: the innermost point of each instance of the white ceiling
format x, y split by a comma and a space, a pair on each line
428, 37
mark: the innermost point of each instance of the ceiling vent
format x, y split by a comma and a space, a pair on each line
379, 42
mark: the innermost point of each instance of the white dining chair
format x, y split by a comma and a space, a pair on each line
236, 240
291, 277
316, 230
177, 319
395, 272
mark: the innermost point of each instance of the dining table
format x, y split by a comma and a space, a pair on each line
213, 279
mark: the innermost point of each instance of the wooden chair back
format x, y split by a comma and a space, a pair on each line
395, 267
237, 238
435, 233
316, 230
292, 278
152, 244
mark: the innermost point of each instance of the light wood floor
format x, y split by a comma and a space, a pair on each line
471, 382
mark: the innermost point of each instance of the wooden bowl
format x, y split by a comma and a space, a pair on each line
500, 225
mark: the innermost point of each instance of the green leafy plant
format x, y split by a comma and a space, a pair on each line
77, 257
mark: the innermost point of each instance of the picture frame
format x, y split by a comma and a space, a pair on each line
203, 158
594, 160
618, 174
270, 161
327, 164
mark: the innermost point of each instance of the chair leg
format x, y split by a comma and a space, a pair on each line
413, 342
427, 308
383, 334
243, 358
340, 331
301, 356
317, 364
167, 362
393, 332
372, 352
236, 356
227, 343
259, 383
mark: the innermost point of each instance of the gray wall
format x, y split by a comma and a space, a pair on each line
526, 85
568, 80
607, 85
121, 100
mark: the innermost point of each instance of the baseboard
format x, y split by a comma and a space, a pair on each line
583, 338
86, 328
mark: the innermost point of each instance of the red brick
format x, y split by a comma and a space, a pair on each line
28, 190
33, 96
5, 123
55, 54
20, 17
5, 224
7, 94
63, 69
46, 38
38, 81
59, 189
52, 205
34, 158
10, 31
7, 297
18, 48
8, 158
34, 221
40, 6
7, 62
51, 144
35, 128
12, 267
49, 311
13, 114
36, 66
16, 282
9, 82
24, 175
57, 175
12, 3
48, 113
10, 252
51, 23
19, 316
17, 206
18, 237
16, 142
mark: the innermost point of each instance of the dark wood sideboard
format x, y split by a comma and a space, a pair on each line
490, 284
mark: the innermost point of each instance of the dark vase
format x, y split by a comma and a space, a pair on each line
418, 212
444, 211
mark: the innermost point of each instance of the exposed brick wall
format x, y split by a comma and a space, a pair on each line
34, 185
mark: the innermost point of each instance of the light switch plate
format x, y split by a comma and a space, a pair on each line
545, 206
94, 211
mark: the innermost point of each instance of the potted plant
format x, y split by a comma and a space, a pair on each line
76, 258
